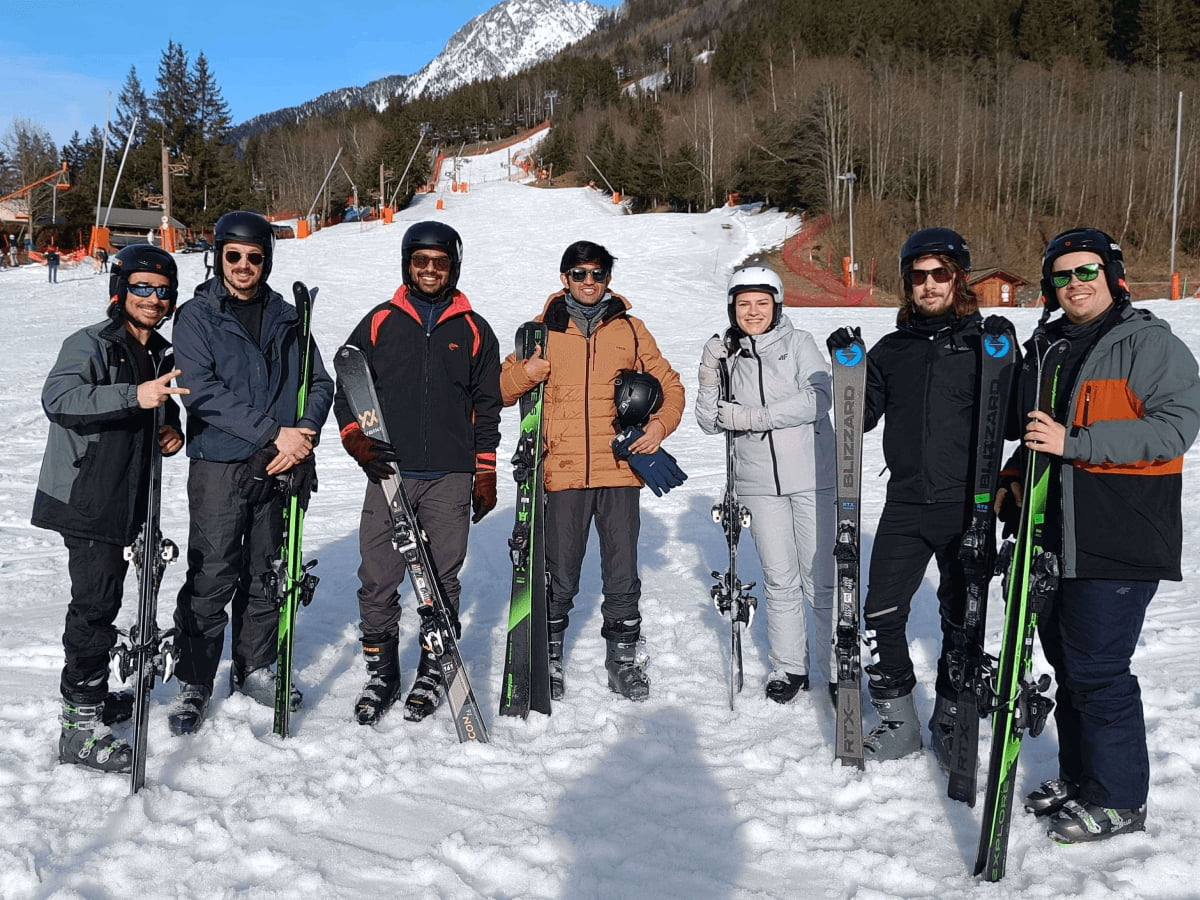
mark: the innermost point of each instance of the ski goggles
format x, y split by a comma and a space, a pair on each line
424, 260
580, 274
233, 257
916, 277
1086, 272
145, 290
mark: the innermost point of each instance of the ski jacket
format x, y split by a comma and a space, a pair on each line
578, 407
1134, 410
242, 393
439, 390
93, 478
923, 379
783, 372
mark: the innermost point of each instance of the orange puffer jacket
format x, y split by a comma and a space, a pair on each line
578, 409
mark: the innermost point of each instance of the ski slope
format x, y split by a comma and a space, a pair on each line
675, 798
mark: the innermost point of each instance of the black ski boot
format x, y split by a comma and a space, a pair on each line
1050, 796
1077, 823
558, 630
625, 676
383, 687
782, 687
426, 691
898, 732
188, 709
941, 730
118, 707
86, 741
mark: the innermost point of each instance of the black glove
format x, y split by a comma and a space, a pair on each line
300, 481
659, 469
372, 454
843, 337
253, 482
1009, 512
997, 325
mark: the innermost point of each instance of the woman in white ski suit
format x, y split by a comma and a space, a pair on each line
783, 452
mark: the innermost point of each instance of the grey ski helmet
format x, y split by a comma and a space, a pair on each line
142, 258
243, 227
432, 236
755, 277
637, 396
1091, 240
935, 242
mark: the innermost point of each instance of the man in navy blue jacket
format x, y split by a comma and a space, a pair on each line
237, 344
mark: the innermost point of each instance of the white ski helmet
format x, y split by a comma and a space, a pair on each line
756, 277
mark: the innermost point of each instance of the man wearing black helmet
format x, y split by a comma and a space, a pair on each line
92, 487
922, 379
237, 344
1128, 408
436, 366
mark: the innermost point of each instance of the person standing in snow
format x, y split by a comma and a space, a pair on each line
99, 397
238, 345
922, 379
436, 368
592, 341
1127, 409
52, 260
783, 449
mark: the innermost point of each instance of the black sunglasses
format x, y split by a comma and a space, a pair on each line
916, 277
1086, 272
580, 274
233, 257
145, 290
424, 260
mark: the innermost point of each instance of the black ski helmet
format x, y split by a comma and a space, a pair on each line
432, 236
754, 277
1090, 240
934, 242
242, 227
142, 258
637, 396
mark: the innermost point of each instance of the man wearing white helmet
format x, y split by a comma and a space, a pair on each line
784, 465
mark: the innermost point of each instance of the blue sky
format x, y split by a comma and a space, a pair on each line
58, 61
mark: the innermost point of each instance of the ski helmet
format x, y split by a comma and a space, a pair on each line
755, 277
142, 258
242, 227
432, 236
935, 242
637, 396
1090, 240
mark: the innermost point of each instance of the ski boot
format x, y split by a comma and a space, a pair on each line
941, 729
259, 686
118, 707
898, 732
188, 709
427, 690
782, 687
1050, 796
558, 630
86, 741
382, 689
625, 676
1077, 823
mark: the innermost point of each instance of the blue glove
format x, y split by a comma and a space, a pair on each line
659, 469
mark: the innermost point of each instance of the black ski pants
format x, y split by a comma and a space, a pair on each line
908, 536
569, 517
232, 544
97, 573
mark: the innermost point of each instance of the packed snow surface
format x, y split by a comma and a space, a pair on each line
678, 797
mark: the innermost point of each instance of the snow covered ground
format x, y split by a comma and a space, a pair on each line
678, 797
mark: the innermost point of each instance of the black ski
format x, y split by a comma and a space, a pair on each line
436, 622
730, 596
145, 651
526, 682
849, 394
971, 670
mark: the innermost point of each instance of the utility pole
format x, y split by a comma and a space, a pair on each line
551, 96
850, 178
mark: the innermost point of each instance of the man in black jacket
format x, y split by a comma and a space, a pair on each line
436, 367
92, 486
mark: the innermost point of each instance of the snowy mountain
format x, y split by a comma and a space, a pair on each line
509, 37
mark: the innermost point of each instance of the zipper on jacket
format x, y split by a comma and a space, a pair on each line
587, 419
762, 401
1087, 403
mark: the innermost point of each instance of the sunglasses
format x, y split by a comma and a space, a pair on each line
145, 290
1086, 272
423, 261
580, 274
233, 257
916, 277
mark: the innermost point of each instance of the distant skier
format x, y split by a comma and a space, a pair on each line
52, 260
92, 487
784, 464
591, 340
237, 344
436, 364
1128, 408
922, 379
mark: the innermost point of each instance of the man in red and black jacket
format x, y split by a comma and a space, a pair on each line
436, 367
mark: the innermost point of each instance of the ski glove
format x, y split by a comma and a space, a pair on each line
658, 470
300, 481
483, 494
735, 417
371, 454
996, 325
1009, 512
843, 337
710, 360
252, 481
